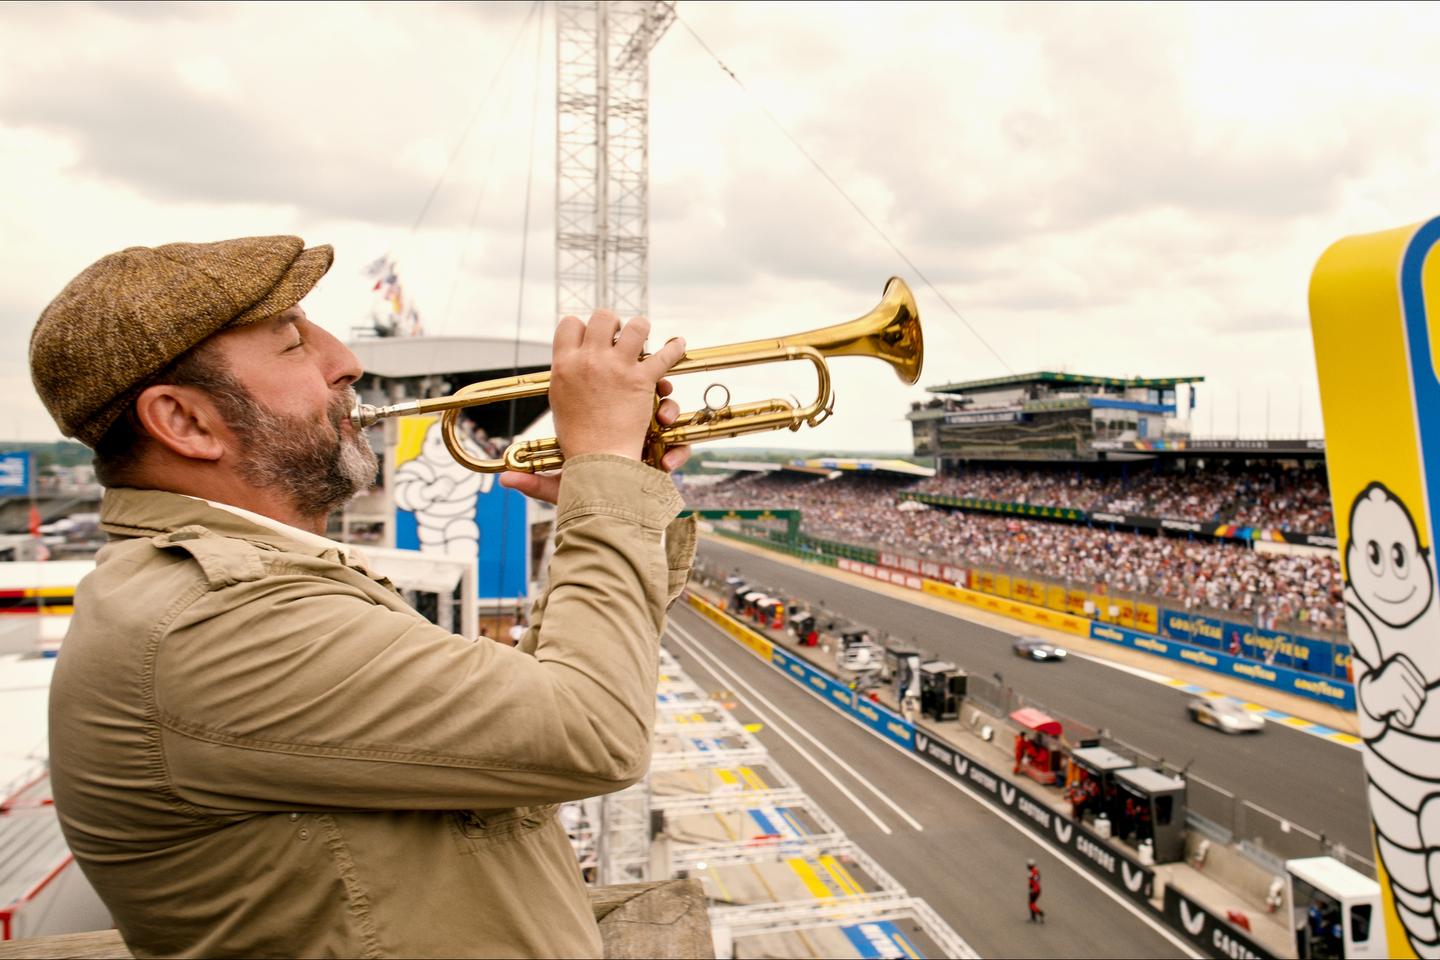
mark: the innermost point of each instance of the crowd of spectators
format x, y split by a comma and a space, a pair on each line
1276, 591
1276, 498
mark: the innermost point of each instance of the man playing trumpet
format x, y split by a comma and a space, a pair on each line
257, 747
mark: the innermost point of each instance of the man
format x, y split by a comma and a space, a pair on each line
1032, 884
257, 748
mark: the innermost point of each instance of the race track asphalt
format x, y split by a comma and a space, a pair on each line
1301, 778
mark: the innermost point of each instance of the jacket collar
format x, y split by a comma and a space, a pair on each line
129, 512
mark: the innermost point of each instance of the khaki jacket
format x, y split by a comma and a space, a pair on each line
258, 749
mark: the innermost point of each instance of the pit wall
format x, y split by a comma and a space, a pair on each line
1332, 691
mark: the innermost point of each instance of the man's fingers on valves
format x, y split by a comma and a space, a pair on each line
667, 412
601, 331
630, 341
666, 357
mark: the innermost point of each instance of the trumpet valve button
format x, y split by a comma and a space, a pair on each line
711, 407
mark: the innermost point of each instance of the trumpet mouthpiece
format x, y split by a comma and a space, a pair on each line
363, 415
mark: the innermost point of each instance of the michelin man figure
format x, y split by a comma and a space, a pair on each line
442, 495
1391, 615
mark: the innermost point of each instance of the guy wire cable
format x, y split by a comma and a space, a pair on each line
841, 190
520, 297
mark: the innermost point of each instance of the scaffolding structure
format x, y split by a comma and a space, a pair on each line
602, 157
723, 812
602, 246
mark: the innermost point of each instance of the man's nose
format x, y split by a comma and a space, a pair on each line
343, 367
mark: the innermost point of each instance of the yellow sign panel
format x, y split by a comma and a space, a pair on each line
1102, 607
758, 645
1055, 597
1029, 613
1371, 299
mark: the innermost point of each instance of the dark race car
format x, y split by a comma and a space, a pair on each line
1034, 648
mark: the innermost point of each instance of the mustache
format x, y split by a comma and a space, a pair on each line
340, 406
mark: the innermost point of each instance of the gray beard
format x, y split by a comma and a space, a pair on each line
312, 464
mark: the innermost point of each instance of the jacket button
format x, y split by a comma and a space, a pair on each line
304, 834
294, 817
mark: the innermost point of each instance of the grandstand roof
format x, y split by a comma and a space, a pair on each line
1046, 376
822, 466
903, 467
401, 357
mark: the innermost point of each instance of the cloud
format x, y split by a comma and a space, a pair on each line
1108, 189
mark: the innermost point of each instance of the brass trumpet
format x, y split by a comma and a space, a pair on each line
889, 332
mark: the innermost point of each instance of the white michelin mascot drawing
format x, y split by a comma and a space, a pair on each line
442, 495
1395, 636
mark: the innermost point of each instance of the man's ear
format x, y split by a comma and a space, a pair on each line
183, 420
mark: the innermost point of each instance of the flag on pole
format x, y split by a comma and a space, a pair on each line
393, 314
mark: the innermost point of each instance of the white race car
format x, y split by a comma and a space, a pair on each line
1227, 716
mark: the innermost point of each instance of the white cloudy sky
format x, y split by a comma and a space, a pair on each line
1116, 189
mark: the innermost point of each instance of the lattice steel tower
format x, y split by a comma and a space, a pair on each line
602, 158
602, 246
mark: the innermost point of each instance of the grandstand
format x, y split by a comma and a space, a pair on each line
1091, 485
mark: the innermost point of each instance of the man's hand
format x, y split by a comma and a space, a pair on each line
602, 395
1397, 688
601, 392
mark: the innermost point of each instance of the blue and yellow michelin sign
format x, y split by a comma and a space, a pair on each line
445, 509
1371, 303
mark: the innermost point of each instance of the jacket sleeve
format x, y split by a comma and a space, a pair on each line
681, 540
294, 690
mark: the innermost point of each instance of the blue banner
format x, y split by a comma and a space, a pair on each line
1340, 660
1333, 691
883, 721
16, 474
1203, 631
880, 719
1282, 649
1175, 623
445, 509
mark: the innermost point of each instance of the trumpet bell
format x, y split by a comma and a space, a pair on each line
890, 332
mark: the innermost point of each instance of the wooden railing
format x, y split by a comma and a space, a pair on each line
665, 919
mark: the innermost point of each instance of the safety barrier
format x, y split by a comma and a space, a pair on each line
1334, 692
839, 695
1324, 689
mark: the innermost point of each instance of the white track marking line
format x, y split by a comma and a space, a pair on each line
1059, 855
691, 648
1140, 672
916, 824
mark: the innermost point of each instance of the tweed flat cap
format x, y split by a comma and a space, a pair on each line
129, 315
